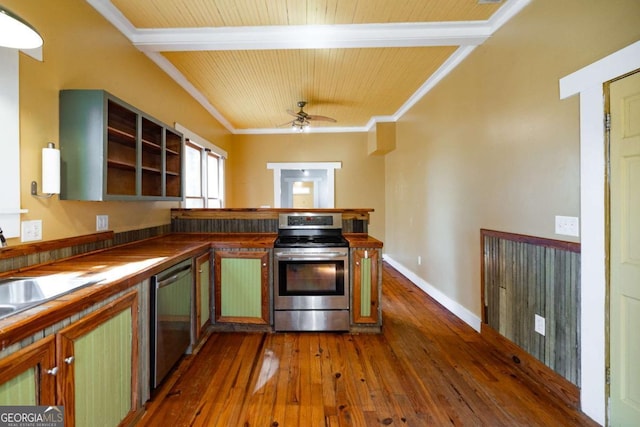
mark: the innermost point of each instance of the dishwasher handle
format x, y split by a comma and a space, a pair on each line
173, 277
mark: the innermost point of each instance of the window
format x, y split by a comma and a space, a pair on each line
194, 196
204, 172
213, 180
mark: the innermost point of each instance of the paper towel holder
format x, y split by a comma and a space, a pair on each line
50, 173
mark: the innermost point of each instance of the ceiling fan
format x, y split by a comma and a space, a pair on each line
302, 119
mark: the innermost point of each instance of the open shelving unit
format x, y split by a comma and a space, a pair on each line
113, 151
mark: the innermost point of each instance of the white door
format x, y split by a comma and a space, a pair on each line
624, 294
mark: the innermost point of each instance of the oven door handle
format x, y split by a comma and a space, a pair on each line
295, 256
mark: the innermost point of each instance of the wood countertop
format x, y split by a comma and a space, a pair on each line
362, 240
120, 268
123, 267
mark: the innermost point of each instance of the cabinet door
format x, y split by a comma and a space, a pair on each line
366, 298
203, 295
242, 287
98, 359
27, 377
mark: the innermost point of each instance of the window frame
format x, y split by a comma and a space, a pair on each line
207, 151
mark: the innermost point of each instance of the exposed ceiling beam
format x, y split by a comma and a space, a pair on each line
312, 36
410, 34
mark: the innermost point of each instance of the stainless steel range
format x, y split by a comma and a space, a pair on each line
311, 273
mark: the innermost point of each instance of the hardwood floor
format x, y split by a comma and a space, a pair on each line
426, 368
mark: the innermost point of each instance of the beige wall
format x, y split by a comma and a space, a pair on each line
492, 146
358, 184
83, 51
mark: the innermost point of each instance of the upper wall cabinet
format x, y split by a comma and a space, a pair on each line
113, 151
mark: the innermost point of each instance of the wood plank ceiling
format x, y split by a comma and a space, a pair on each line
248, 61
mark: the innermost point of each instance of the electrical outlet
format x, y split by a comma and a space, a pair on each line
419, 260
567, 225
31, 230
540, 325
102, 222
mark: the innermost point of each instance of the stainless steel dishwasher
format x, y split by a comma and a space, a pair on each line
170, 333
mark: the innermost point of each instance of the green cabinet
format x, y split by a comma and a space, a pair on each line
203, 294
242, 287
97, 356
90, 367
27, 377
366, 287
112, 151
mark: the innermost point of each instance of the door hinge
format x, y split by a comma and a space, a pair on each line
608, 375
607, 135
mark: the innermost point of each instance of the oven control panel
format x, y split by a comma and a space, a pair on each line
310, 220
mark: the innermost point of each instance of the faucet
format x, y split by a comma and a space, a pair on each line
3, 241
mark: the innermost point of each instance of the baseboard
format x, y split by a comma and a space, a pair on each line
454, 307
555, 383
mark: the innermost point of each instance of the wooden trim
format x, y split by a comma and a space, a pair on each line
50, 245
483, 302
264, 279
65, 347
538, 371
539, 241
42, 354
199, 330
358, 255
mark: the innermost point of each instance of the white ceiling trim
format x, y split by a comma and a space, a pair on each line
452, 62
179, 78
410, 34
312, 36
310, 129
467, 35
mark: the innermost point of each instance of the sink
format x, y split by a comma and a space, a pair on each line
20, 293
7, 309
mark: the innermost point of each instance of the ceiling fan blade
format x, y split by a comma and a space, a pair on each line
321, 118
289, 123
293, 113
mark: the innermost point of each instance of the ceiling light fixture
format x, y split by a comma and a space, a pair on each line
17, 33
300, 125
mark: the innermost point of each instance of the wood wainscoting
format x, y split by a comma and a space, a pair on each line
524, 277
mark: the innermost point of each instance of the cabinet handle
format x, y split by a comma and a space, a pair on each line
53, 370
357, 262
264, 265
200, 271
69, 360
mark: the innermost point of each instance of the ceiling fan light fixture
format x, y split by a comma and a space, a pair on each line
17, 33
300, 126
